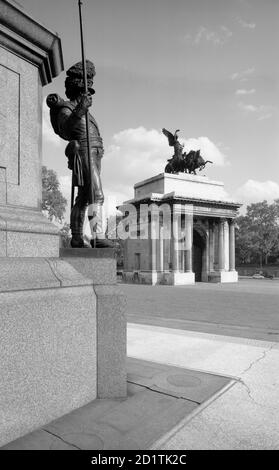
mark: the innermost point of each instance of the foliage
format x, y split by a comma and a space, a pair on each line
112, 234
257, 234
65, 236
243, 240
53, 201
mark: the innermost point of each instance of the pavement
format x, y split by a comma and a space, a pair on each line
159, 397
188, 389
245, 416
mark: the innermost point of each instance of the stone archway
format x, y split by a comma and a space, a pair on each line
198, 252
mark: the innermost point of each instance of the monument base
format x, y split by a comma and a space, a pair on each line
27, 233
100, 266
223, 276
62, 338
48, 345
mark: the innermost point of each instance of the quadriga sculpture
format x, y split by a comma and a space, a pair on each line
183, 162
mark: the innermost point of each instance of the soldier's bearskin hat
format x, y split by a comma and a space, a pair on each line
74, 82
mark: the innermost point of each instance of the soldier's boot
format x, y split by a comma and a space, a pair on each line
95, 217
101, 243
77, 241
77, 222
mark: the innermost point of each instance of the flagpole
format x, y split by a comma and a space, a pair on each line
80, 3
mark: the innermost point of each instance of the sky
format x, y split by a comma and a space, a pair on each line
206, 67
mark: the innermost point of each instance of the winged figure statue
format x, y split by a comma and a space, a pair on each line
183, 162
176, 162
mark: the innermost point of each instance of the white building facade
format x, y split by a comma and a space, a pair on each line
181, 230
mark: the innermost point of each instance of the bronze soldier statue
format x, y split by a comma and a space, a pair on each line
69, 122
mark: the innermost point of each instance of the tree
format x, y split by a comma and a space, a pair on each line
243, 240
264, 227
257, 236
65, 236
112, 233
53, 201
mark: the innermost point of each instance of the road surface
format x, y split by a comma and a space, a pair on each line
249, 308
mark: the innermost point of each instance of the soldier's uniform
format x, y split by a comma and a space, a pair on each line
69, 122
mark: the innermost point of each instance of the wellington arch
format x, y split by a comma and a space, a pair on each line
199, 210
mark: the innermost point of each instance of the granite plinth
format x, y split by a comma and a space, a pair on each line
30, 56
48, 344
28, 39
87, 253
99, 264
17, 274
159, 397
27, 233
19, 121
111, 342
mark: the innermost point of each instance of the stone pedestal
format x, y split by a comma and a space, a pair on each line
100, 266
63, 330
62, 337
48, 343
30, 57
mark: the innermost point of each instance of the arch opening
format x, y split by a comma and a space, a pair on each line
198, 255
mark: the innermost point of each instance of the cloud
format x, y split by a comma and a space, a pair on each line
243, 75
49, 135
257, 191
242, 91
247, 107
265, 116
262, 112
65, 188
208, 149
204, 35
112, 200
66, 185
138, 154
135, 155
246, 25
226, 32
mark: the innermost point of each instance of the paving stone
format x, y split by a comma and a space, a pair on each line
178, 382
135, 422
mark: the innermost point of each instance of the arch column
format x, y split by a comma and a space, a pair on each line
153, 237
226, 245
161, 245
221, 258
211, 245
179, 277
205, 261
232, 244
174, 242
188, 242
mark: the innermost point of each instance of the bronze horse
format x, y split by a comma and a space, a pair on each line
194, 161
